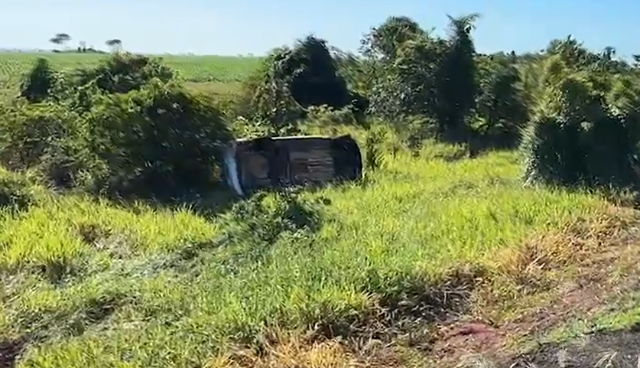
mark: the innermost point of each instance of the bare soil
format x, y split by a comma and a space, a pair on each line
601, 349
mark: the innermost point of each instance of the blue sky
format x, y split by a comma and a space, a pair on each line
231, 27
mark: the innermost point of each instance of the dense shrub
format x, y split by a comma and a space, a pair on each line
47, 137
595, 154
385, 40
158, 141
501, 109
327, 116
123, 128
291, 80
39, 82
15, 193
313, 76
416, 130
123, 72
581, 141
254, 226
266, 216
265, 97
373, 148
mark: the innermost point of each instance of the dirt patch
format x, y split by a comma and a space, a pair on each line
601, 349
577, 300
462, 338
590, 289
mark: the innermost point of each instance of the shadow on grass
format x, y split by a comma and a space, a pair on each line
404, 313
219, 199
10, 349
406, 309
210, 204
51, 324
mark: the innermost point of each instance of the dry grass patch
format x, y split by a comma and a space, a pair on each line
550, 280
308, 350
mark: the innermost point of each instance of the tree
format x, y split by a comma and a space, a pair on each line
293, 79
501, 104
60, 39
408, 87
115, 44
385, 41
457, 80
38, 83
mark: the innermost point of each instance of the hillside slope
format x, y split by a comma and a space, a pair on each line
312, 279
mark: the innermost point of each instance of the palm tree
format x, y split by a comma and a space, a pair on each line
462, 25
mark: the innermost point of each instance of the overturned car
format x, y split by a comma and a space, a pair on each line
278, 162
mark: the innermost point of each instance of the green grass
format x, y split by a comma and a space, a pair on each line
161, 289
216, 75
192, 68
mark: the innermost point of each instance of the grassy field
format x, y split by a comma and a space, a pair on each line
213, 74
425, 246
192, 68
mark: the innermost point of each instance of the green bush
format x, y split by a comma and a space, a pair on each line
266, 97
39, 82
373, 148
265, 216
327, 116
156, 142
47, 137
612, 151
292, 80
502, 110
123, 72
551, 152
594, 154
254, 226
581, 141
313, 75
415, 130
15, 193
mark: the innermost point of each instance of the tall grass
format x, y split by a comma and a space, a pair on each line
158, 287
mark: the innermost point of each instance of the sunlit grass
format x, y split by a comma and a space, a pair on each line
413, 220
217, 76
190, 67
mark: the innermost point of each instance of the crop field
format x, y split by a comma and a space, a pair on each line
432, 257
215, 74
191, 68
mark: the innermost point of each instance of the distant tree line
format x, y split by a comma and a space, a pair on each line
62, 39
